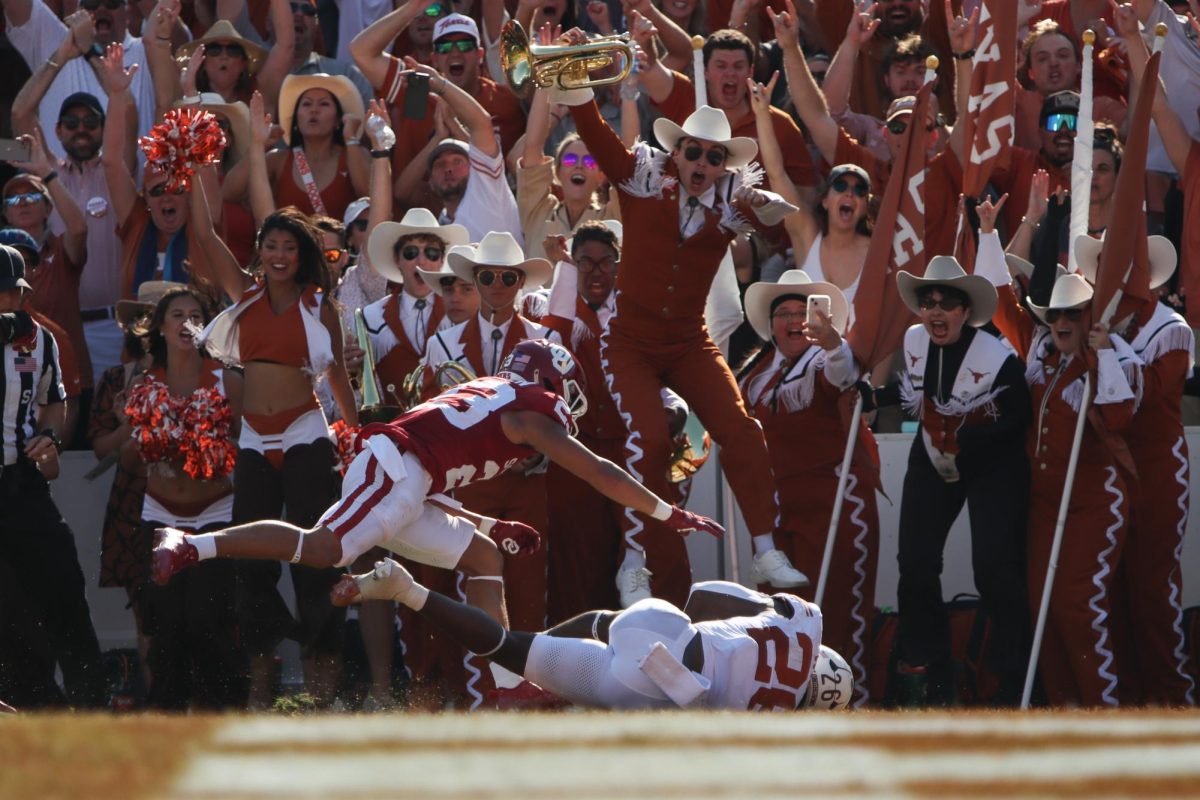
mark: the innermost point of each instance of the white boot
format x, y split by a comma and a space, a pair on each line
390, 581
773, 567
633, 583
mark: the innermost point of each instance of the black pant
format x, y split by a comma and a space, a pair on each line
997, 505
304, 488
38, 551
195, 658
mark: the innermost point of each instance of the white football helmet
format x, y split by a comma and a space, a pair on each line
832, 682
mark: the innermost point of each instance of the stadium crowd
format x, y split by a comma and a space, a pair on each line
822, 219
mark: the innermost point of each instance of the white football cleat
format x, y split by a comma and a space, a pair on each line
390, 581
634, 585
773, 567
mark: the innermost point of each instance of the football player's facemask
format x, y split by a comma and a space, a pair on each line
832, 682
550, 365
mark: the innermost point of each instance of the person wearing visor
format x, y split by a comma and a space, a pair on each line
967, 388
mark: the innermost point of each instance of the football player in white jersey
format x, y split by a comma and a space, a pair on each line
729, 648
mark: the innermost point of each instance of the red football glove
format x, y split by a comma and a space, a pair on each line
515, 538
686, 522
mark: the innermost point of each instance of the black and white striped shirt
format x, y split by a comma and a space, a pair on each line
28, 379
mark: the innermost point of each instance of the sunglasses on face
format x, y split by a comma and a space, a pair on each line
899, 126
72, 122
947, 303
508, 277
23, 199
446, 282
359, 225
570, 160
410, 252
1071, 314
232, 50
715, 156
606, 264
1057, 122
333, 254
841, 185
92, 5
461, 45
161, 189
304, 8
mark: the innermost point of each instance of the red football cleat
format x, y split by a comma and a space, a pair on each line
525, 696
172, 553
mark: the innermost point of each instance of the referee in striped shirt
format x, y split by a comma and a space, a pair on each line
37, 548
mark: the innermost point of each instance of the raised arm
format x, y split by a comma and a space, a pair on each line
466, 108
806, 95
655, 78
41, 165
25, 106
279, 59
369, 48
381, 174
801, 227
160, 60
115, 80
963, 33
408, 182
232, 279
676, 40
839, 78
262, 199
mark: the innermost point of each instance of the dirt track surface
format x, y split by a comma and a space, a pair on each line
583, 755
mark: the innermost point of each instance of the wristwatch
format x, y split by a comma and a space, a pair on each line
54, 440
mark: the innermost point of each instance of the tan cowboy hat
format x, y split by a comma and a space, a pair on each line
710, 125
433, 277
499, 249
1070, 291
1162, 258
295, 85
945, 271
761, 295
236, 112
382, 242
223, 31
148, 295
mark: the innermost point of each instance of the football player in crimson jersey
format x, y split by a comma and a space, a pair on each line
392, 495
730, 647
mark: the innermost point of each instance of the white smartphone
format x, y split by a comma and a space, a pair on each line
817, 302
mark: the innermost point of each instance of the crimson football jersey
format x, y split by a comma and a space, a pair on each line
457, 435
761, 663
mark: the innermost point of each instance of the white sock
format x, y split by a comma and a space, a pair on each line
504, 678
205, 544
634, 559
763, 542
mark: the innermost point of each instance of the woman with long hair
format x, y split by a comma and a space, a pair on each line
286, 336
194, 658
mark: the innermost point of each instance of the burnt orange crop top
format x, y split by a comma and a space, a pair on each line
264, 335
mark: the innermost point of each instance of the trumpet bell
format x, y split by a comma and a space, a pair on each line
527, 66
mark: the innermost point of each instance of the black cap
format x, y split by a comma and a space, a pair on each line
1064, 102
84, 99
12, 269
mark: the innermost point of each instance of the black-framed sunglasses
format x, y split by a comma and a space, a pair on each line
461, 45
71, 122
447, 282
1071, 314
508, 277
307, 9
859, 188
605, 265
715, 156
161, 189
359, 225
411, 252
229, 48
946, 303
899, 126
92, 5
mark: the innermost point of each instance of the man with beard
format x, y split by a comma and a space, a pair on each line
66, 54
80, 130
1057, 121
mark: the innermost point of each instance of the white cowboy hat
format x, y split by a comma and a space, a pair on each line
1162, 258
223, 31
761, 295
710, 125
236, 112
1070, 291
148, 295
499, 249
1024, 268
382, 242
433, 277
945, 271
295, 85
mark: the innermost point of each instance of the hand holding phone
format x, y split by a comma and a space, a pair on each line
15, 150
416, 95
817, 304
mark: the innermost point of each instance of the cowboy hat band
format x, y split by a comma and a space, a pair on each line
708, 125
946, 271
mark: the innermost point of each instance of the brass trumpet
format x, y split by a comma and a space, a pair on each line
373, 409
564, 66
447, 375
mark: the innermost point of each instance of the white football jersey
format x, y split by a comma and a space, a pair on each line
762, 662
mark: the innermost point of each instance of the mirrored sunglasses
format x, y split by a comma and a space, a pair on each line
410, 252
508, 277
435, 10
715, 156
1071, 314
461, 45
570, 160
859, 188
72, 122
27, 199
1057, 122
333, 254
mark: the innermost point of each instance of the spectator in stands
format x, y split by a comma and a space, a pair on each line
306, 61
361, 285
234, 67
687, 14
35, 542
